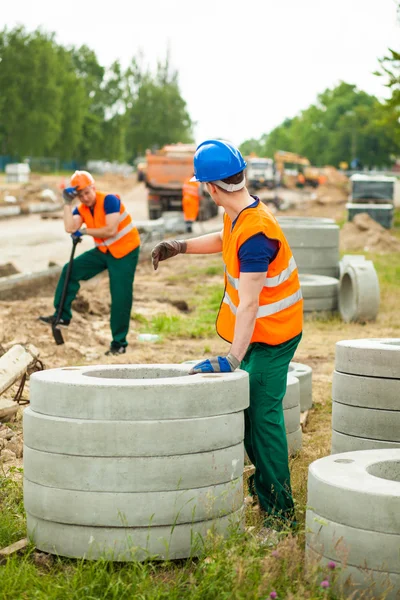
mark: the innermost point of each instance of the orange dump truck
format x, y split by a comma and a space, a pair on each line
167, 170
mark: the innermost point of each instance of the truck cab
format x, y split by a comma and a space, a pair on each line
260, 173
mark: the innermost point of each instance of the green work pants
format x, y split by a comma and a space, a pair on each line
265, 435
121, 272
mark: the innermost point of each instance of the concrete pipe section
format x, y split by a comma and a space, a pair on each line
314, 243
365, 394
304, 374
359, 294
291, 402
320, 293
353, 519
132, 461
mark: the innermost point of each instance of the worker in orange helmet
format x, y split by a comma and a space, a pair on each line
190, 202
117, 245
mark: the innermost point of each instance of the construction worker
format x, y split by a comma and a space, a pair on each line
261, 316
117, 245
190, 202
301, 180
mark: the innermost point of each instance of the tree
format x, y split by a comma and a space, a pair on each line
343, 124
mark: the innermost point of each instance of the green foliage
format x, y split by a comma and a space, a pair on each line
61, 102
343, 124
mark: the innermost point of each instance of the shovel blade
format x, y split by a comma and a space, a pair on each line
57, 335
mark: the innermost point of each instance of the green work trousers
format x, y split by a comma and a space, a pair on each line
121, 272
265, 434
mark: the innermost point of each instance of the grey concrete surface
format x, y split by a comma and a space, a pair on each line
303, 234
292, 419
123, 543
348, 443
359, 293
341, 489
357, 546
132, 509
295, 441
375, 357
304, 374
320, 305
366, 422
292, 396
85, 437
318, 286
134, 474
367, 392
133, 392
314, 258
354, 580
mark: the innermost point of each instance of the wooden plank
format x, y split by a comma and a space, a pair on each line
9, 550
304, 420
14, 363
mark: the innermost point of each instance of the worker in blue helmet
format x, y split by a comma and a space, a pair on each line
261, 316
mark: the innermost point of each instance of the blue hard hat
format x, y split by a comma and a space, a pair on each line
215, 160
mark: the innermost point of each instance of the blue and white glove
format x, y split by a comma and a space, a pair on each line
217, 364
77, 235
69, 194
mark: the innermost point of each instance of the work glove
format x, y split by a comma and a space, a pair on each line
69, 194
77, 235
165, 250
217, 364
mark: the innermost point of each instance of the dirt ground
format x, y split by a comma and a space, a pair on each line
158, 293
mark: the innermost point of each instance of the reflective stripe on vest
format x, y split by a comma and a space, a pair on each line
118, 236
269, 281
266, 310
279, 315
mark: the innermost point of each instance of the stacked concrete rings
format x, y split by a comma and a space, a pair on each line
365, 393
298, 388
314, 243
320, 293
132, 461
291, 412
304, 374
359, 294
353, 519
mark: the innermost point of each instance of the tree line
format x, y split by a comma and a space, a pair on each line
342, 125
59, 101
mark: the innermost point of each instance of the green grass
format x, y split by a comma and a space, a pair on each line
200, 323
236, 568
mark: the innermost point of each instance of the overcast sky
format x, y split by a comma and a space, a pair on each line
243, 66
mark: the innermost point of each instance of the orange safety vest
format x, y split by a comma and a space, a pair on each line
191, 200
280, 312
127, 237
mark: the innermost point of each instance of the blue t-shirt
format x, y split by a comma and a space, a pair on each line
258, 251
112, 204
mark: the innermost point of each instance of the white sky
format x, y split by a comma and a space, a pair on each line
243, 66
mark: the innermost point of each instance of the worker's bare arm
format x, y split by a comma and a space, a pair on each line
250, 287
210, 243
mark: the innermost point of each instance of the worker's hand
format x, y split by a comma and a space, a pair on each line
217, 364
165, 250
77, 236
69, 194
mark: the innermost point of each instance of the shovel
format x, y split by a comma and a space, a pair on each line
57, 334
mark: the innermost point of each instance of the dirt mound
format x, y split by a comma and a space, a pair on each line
8, 269
363, 233
333, 176
87, 304
332, 193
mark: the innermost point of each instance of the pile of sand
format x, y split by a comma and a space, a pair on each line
332, 194
334, 176
363, 233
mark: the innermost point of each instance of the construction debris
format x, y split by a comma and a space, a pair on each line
15, 363
5, 553
363, 233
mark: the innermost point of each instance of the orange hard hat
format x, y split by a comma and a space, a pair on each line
81, 179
